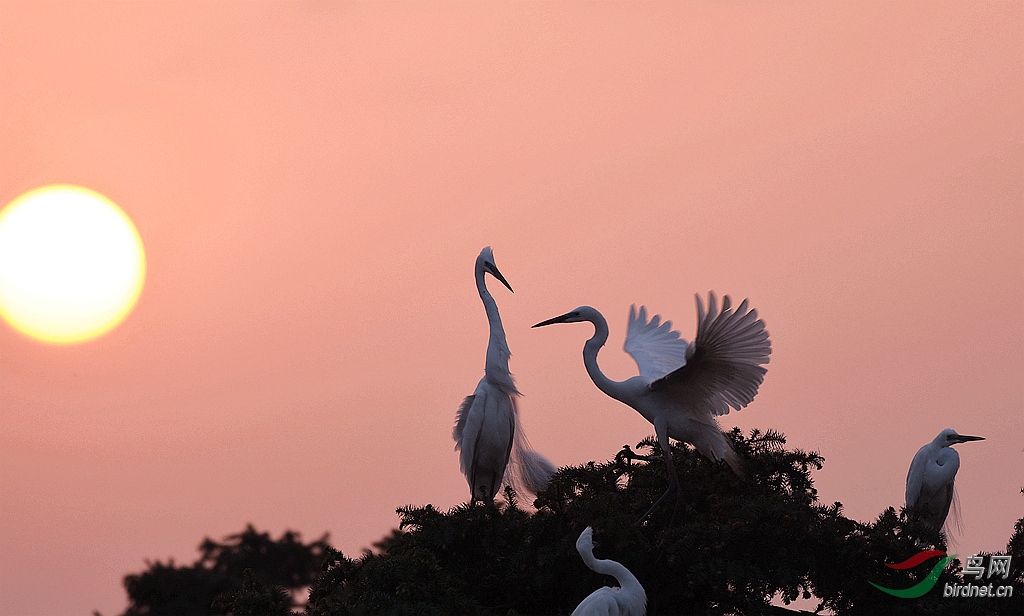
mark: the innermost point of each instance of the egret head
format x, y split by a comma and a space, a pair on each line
585, 544
485, 263
949, 437
583, 313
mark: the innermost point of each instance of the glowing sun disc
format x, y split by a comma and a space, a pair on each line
72, 264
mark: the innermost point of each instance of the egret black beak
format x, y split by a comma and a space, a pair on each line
493, 269
559, 319
963, 438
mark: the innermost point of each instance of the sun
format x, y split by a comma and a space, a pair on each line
72, 264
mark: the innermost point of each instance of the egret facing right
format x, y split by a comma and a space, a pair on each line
487, 431
930, 480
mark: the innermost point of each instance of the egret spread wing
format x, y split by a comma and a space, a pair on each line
656, 348
725, 367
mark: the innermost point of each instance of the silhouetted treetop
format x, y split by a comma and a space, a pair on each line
734, 545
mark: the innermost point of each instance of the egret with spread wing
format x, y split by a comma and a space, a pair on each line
487, 430
683, 386
931, 475
629, 599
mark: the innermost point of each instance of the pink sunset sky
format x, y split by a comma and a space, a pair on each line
313, 181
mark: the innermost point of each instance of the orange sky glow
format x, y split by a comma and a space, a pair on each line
313, 181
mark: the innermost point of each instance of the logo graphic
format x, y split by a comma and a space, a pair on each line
997, 566
922, 587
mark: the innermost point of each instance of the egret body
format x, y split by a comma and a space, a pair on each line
931, 475
487, 432
628, 599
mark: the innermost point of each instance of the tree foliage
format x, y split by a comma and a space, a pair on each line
733, 545
245, 565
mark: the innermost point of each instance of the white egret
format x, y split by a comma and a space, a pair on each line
930, 479
487, 430
629, 599
683, 386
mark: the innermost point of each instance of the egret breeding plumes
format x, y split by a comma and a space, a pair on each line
931, 475
683, 386
628, 599
487, 431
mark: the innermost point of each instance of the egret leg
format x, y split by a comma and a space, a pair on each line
673, 488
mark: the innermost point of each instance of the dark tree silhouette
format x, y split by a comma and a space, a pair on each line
734, 545
256, 598
244, 565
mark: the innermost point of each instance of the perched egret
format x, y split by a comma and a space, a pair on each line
629, 599
683, 386
930, 480
487, 430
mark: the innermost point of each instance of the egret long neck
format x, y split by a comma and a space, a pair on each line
496, 368
590, 349
622, 575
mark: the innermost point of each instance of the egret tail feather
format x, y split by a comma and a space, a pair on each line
735, 462
712, 443
528, 470
954, 521
533, 471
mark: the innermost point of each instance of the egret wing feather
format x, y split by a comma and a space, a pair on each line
460, 421
656, 348
915, 478
725, 366
488, 433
